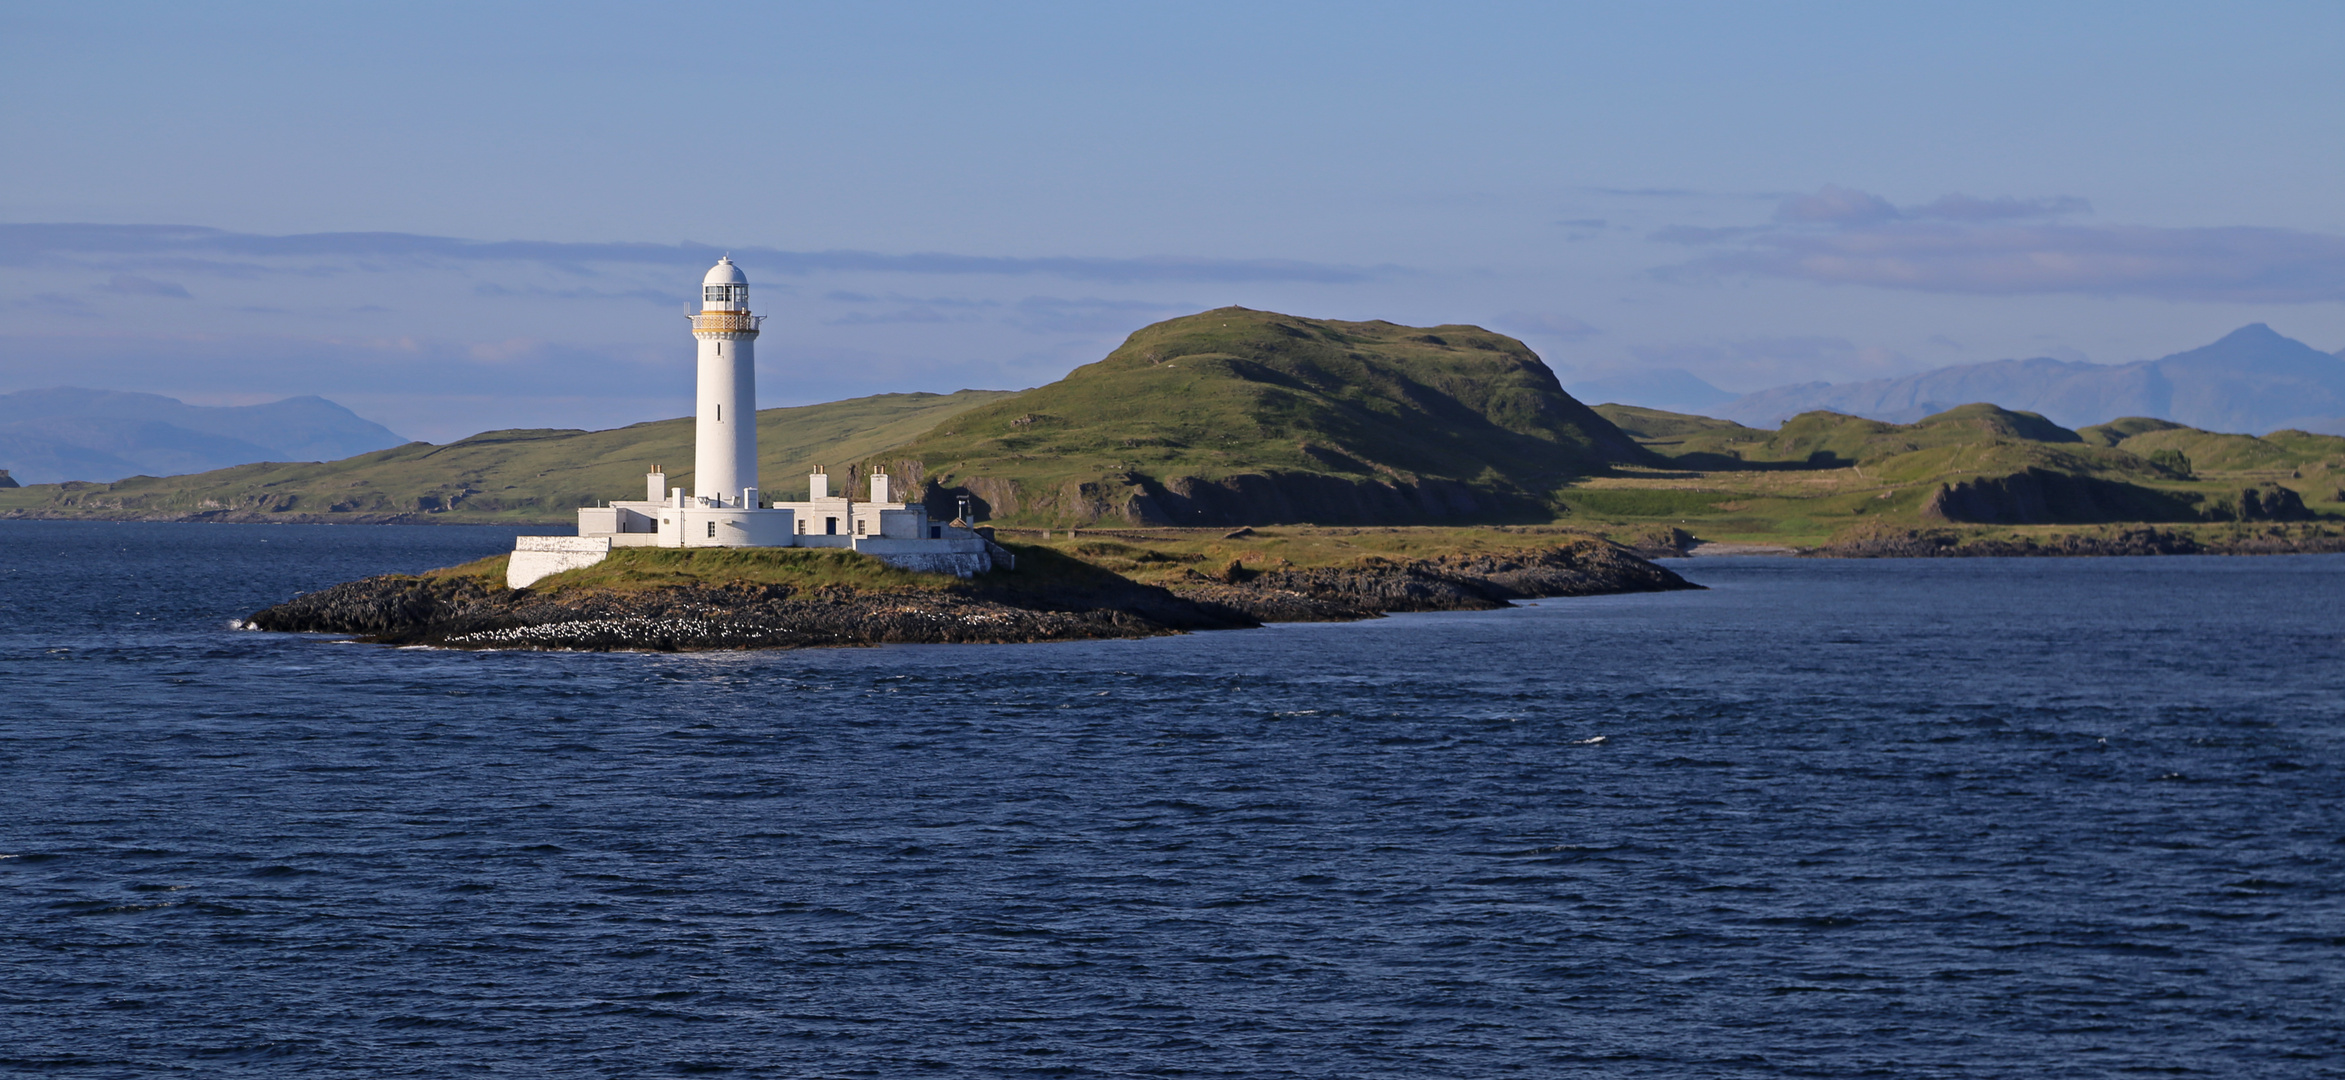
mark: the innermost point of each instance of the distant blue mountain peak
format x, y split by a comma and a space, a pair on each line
75, 433
2252, 380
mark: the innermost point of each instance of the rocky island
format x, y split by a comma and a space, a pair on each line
1066, 589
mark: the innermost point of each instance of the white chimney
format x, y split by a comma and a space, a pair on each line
879, 485
818, 485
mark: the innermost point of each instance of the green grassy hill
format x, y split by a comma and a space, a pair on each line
1825, 439
1825, 474
1237, 416
2278, 452
537, 475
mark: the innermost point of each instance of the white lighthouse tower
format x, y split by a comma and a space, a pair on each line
723, 510
724, 445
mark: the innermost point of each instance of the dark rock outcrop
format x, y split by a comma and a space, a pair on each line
2266, 502
2043, 497
465, 613
1450, 583
1065, 601
1287, 498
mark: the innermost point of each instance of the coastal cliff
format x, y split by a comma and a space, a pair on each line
670, 600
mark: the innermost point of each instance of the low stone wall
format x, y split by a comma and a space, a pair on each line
959, 557
536, 557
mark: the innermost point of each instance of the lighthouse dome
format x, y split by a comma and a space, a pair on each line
725, 273
725, 288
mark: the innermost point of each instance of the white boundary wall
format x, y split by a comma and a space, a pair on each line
535, 557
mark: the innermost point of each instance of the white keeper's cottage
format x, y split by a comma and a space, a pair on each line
724, 509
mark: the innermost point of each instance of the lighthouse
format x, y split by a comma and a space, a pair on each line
723, 510
724, 445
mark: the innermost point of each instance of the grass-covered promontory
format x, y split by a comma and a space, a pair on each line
1242, 417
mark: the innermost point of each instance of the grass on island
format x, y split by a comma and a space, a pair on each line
1040, 567
642, 568
1164, 556
1082, 558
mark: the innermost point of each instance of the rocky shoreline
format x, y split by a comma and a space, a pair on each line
467, 612
1947, 543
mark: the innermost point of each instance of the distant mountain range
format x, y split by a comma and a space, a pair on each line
47, 436
2253, 381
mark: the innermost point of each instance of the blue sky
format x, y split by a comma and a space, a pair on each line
466, 216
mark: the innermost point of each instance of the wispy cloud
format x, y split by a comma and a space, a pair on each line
189, 248
2000, 208
1671, 193
845, 297
1960, 244
490, 288
913, 314
134, 285
1833, 205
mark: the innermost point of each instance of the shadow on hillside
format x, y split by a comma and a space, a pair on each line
1707, 461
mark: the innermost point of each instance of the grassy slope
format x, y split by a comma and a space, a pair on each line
1239, 392
1152, 556
1823, 474
521, 475
1167, 556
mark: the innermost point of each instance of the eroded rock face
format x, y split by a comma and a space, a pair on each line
2043, 497
2268, 502
1453, 583
402, 610
1280, 498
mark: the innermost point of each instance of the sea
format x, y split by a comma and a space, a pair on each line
1893, 818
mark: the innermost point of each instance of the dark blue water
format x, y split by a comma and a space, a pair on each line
1936, 818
